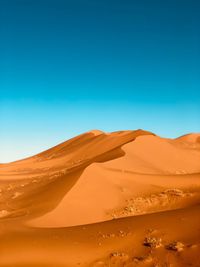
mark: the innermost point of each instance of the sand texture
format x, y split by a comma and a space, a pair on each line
123, 199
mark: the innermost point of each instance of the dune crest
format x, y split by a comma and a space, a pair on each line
92, 191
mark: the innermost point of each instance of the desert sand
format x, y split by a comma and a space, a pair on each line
127, 198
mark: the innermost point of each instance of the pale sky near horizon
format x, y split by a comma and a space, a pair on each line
67, 67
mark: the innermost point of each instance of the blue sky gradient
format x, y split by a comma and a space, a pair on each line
68, 66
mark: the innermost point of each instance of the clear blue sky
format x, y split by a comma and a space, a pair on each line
68, 66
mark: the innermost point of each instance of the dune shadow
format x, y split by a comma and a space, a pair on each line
43, 198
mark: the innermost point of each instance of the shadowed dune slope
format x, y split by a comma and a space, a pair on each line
76, 152
67, 206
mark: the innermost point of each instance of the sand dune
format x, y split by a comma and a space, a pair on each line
92, 201
118, 242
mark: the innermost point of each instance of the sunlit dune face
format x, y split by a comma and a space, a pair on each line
103, 199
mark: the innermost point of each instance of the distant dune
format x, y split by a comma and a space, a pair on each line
127, 198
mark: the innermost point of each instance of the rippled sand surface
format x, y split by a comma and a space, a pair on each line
127, 198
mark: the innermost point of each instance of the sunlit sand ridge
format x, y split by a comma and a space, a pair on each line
127, 198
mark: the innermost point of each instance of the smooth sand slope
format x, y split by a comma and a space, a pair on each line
127, 198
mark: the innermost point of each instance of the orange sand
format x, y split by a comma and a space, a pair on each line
94, 199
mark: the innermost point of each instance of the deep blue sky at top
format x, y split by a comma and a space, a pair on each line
67, 66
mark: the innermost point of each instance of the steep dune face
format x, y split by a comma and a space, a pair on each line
77, 152
123, 178
37, 184
98, 177
152, 154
